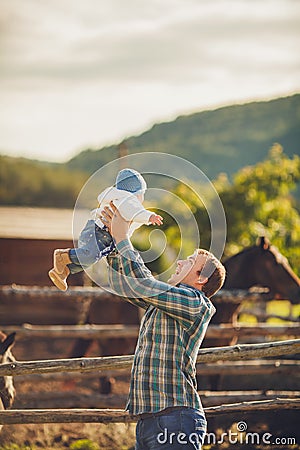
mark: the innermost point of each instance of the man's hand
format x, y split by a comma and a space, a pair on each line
117, 225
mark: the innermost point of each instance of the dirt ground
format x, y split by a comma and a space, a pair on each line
61, 436
122, 436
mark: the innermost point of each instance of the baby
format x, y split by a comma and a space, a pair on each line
95, 240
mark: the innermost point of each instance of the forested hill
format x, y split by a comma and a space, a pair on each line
220, 140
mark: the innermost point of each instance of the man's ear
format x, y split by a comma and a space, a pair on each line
202, 281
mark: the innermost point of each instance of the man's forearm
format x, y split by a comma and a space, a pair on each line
120, 234
181, 303
119, 282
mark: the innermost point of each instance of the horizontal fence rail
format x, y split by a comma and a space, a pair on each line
21, 291
116, 416
205, 355
64, 399
125, 331
245, 367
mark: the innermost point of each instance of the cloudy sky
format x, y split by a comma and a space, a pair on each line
77, 74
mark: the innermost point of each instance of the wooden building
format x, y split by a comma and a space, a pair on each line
28, 237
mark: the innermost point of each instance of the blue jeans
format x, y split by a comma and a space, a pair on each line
182, 428
93, 243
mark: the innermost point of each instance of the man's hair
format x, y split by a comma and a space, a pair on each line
214, 270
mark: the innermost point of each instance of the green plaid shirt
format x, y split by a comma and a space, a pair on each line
171, 332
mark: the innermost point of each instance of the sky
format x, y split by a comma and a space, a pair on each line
78, 74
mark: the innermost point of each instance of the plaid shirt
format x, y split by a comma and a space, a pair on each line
171, 332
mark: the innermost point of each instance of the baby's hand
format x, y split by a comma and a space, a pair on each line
156, 219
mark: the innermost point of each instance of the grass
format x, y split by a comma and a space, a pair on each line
84, 444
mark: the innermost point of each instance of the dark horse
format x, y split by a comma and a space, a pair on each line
260, 265
7, 391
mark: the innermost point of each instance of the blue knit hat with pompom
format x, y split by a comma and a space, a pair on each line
131, 181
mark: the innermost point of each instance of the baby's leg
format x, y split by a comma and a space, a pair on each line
93, 243
105, 242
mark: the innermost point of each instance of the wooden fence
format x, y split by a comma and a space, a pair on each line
116, 416
235, 368
42, 292
124, 331
205, 355
235, 359
210, 355
72, 399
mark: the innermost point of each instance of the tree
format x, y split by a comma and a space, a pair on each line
259, 202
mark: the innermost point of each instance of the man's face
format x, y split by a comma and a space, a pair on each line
187, 271
184, 272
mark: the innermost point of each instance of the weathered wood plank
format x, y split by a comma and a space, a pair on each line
260, 367
249, 351
231, 353
232, 295
238, 368
262, 405
73, 331
116, 416
64, 400
124, 331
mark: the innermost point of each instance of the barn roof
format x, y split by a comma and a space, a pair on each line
36, 223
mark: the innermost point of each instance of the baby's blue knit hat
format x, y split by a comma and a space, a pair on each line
130, 180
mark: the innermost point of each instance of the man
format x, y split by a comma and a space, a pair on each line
163, 390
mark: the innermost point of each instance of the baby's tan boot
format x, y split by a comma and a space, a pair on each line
59, 274
59, 279
61, 259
